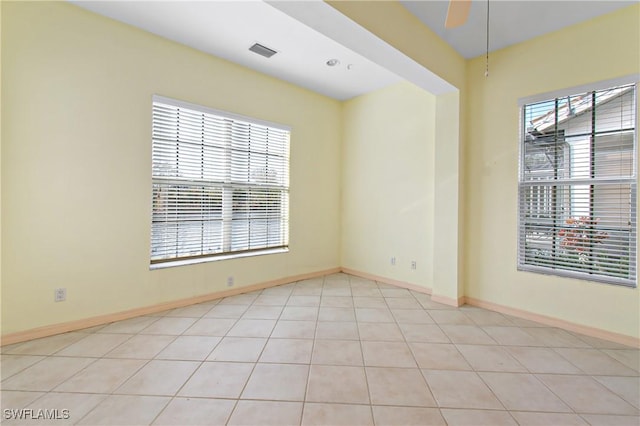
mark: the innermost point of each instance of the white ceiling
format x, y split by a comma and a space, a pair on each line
307, 33
228, 28
510, 22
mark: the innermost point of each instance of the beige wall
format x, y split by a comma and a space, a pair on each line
601, 49
414, 39
76, 163
393, 23
388, 183
448, 225
0, 166
604, 48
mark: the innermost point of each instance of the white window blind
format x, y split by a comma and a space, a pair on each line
220, 183
577, 186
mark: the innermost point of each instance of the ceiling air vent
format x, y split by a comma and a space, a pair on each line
262, 50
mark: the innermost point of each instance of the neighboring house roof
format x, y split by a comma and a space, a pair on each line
573, 107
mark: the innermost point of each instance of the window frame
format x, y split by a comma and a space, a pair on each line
522, 183
230, 187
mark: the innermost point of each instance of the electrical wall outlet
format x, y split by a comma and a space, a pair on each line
230, 281
393, 261
60, 294
413, 264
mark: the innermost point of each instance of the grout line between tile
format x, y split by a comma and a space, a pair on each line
553, 345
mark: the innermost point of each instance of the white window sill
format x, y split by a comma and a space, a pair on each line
216, 258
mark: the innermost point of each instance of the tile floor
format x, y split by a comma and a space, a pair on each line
338, 350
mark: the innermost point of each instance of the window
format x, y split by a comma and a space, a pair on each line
220, 183
577, 185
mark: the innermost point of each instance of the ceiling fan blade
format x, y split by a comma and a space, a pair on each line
457, 13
